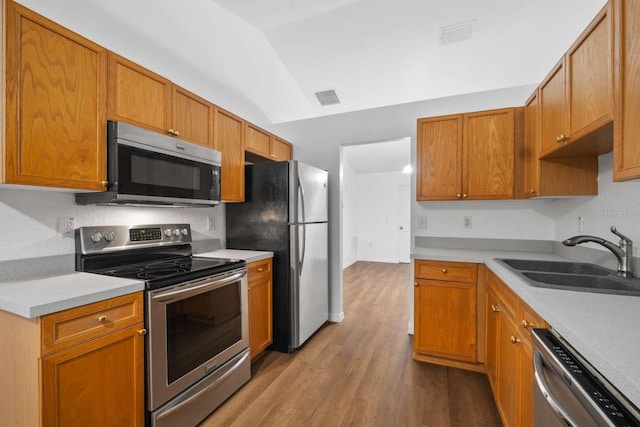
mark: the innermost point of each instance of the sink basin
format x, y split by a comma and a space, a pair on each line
585, 283
557, 267
572, 276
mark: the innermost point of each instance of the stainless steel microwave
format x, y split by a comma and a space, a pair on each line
148, 168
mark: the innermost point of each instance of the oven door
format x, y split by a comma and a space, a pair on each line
194, 328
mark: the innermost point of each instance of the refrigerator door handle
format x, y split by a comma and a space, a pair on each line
301, 191
304, 225
304, 247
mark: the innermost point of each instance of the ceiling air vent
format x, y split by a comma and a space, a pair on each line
327, 97
456, 32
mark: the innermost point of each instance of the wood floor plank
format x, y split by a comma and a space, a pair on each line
360, 372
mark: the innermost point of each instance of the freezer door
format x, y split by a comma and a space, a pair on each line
310, 280
309, 193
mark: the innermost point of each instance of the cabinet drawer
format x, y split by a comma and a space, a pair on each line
257, 270
74, 326
446, 271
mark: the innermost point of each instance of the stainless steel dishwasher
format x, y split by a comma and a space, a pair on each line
568, 391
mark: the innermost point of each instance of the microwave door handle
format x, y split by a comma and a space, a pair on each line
543, 385
185, 292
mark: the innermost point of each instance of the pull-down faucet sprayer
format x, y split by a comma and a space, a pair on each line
623, 252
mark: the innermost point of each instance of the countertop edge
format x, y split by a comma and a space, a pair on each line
246, 255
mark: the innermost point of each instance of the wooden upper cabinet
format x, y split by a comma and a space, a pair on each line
55, 104
467, 156
229, 136
266, 145
488, 151
439, 158
258, 141
143, 98
193, 117
577, 97
626, 151
281, 149
139, 96
553, 177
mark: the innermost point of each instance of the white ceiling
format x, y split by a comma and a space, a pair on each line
386, 156
381, 52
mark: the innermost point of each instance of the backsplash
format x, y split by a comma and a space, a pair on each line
28, 221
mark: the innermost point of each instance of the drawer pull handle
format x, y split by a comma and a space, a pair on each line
514, 340
444, 270
142, 332
415, 284
525, 324
495, 308
260, 269
458, 195
102, 318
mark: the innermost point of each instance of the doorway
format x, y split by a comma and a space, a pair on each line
376, 202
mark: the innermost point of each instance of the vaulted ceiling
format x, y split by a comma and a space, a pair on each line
270, 56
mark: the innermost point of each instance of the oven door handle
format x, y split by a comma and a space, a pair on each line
185, 291
543, 385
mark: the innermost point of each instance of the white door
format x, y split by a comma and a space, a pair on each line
404, 220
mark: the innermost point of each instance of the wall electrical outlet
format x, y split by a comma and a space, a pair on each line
211, 222
467, 222
422, 222
580, 224
65, 226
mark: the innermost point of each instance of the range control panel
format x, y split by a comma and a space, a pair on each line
117, 237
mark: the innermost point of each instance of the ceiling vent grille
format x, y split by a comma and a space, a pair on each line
456, 32
327, 97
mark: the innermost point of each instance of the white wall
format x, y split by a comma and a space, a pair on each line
378, 215
350, 211
28, 221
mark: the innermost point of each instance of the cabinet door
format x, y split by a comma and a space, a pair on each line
229, 140
488, 151
439, 158
552, 109
192, 117
589, 81
138, 96
281, 150
532, 147
626, 150
260, 319
258, 141
445, 319
509, 348
525, 400
55, 105
99, 383
492, 319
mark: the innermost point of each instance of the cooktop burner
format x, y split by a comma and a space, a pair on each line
161, 257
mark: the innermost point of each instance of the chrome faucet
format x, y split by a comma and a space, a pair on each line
623, 252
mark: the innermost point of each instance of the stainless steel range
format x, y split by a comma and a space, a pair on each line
195, 313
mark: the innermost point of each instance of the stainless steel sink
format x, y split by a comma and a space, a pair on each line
572, 276
557, 267
585, 283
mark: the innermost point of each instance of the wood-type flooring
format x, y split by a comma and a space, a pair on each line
360, 372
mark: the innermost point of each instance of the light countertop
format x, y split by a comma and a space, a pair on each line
602, 327
248, 256
38, 297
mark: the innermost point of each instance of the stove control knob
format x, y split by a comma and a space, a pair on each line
176, 232
96, 237
109, 236
184, 232
167, 232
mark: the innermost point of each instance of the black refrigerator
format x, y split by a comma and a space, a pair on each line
286, 211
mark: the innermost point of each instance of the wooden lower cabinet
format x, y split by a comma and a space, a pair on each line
75, 368
260, 306
445, 314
